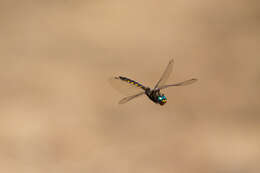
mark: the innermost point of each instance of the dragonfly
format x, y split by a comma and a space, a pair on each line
135, 89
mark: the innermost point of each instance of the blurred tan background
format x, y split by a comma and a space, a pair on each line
59, 114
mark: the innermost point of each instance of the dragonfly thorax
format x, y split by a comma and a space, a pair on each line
156, 96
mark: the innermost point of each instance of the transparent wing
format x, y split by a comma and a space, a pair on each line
165, 75
123, 86
187, 82
126, 99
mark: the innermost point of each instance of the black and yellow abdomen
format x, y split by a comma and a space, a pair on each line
132, 82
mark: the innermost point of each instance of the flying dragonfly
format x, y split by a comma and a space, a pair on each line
135, 89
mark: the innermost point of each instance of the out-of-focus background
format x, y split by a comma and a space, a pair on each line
58, 113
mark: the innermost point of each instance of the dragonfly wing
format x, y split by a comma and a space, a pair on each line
126, 99
166, 74
187, 82
126, 86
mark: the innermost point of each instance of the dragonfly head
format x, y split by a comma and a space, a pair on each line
162, 100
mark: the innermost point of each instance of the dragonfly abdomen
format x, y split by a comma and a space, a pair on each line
132, 82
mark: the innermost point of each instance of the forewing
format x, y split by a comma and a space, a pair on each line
166, 74
123, 86
187, 82
126, 99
